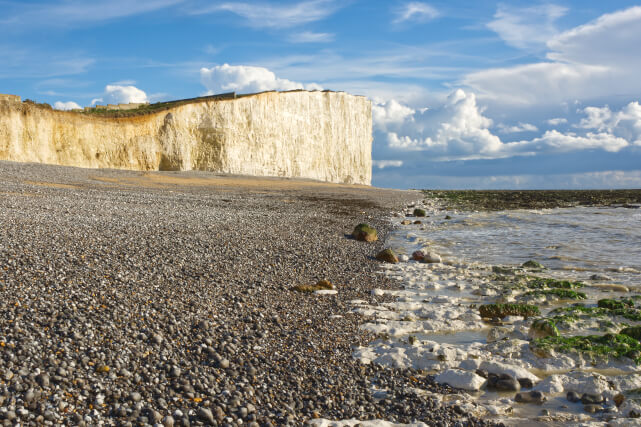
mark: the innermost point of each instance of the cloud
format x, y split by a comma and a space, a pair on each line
528, 27
415, 11
557, 121
459, 130
69, 105
310, 37
520, 127
117, 94
625, 123
265, 15
390, 112
246, 79
73, 13
382, 164
589, 62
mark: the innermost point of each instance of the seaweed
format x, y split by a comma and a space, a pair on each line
608, 345
503, 310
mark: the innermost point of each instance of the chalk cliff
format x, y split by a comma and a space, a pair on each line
319, 135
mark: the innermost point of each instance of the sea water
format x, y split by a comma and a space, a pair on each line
571, 242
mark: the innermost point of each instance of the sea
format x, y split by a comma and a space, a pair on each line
578, 243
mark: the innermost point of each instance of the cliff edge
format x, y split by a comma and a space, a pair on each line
318, 135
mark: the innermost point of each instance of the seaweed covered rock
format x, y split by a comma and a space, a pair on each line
633, 331
503, 310
604, 346
365, 233
612, 304
419, 212
387, 255
542, 328
533, 265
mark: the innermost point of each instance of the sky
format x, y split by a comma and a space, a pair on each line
465, 94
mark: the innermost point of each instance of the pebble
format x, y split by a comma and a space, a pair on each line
183, 293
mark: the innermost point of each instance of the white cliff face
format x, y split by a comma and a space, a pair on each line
318, 135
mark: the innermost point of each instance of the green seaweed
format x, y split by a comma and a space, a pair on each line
608, 345
626, 313
535, 282
503, 310
548, 326
612, 304
419, 212
560, 293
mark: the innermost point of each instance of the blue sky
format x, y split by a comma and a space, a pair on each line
466, 94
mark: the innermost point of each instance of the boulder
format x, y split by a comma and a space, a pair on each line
530, 397
461, 379
365, 233
387, 255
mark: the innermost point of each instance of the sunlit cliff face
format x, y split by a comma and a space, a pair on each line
318, 135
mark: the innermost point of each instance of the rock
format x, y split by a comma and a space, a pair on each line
532, 265
403, 258
460, 379
600, 277
135, 396
530, 397
588, 398
525, 382
448, 217
542, 328
418, 255
205, 415
591, 408
156, 338
387, 255
514, 371
406, 222
168, 421
42, 380
497, 333
633, 331
619, 399
417, 222
503, 382
224, 364
365, 233
502, 310
419, 212
432, 258
573, 397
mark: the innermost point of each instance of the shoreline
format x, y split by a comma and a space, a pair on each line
169, 301
434, 324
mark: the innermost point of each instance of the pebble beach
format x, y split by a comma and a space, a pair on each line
164, 299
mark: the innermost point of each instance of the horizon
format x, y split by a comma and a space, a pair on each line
518, 96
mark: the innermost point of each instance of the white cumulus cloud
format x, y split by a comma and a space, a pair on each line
69, 105
246, 79
593, 61
625, 123
459, 129
119, 94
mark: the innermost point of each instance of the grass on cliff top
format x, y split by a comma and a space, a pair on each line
532, 199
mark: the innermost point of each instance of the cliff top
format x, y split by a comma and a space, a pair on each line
143, 109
